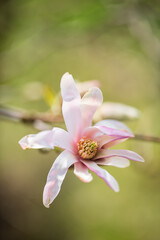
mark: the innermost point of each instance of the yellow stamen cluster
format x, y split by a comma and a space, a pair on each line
87, 148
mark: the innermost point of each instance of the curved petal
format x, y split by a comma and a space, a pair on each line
81, 171
119, 137
104, 153
113, 143
36, 141
63, 139
102, 173
114, 161
105, 141
56, 137
89, 104
69, 90
114, 124
95, 131
56, 176
71, 106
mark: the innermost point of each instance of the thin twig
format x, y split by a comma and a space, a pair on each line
22, 116
146, 138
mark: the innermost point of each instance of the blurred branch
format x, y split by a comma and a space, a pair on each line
41, 121
21, 116
142, 137
38, 120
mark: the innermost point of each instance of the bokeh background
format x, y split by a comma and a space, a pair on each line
115, 42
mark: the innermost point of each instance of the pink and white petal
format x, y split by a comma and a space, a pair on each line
105, 141
95, 131
92, 132
36, 141
69, 90
72, 118
81, 171
113, 143
56, 176
71, 106
56, 137
89, 104
114, 161
105, 153
63, 139
102, 173
114, 124
114, 132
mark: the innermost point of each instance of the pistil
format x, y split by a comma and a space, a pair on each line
87, 148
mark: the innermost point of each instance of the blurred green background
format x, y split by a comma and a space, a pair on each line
115, 42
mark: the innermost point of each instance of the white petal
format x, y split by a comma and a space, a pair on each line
56, 176
89, 104
113, 124
69, 90
104, 153
56, 137
96, 131
106, 141
114, 161
71, 106
36, 141
102, 173
81, 171
63, 139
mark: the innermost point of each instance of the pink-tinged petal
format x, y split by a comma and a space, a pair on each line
113, 143
102, 173
114, 132
69, 90
81, 171
93, 132
89, 104
105, 141
114, 124
36, 141
104, 153
56, 176
56, 137
72, 118
71, 106
114, 161
63, 139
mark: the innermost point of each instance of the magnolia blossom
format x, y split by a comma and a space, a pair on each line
84, 146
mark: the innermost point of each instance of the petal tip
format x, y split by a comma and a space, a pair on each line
142, 160
46, 202
23, 144
116, 188
47, 206
69, 90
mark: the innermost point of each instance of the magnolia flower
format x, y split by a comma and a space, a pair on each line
84, 146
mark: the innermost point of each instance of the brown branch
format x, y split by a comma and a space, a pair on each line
146, 138
22, 116
39, 121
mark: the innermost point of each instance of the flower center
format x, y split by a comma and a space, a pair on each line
87, 148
